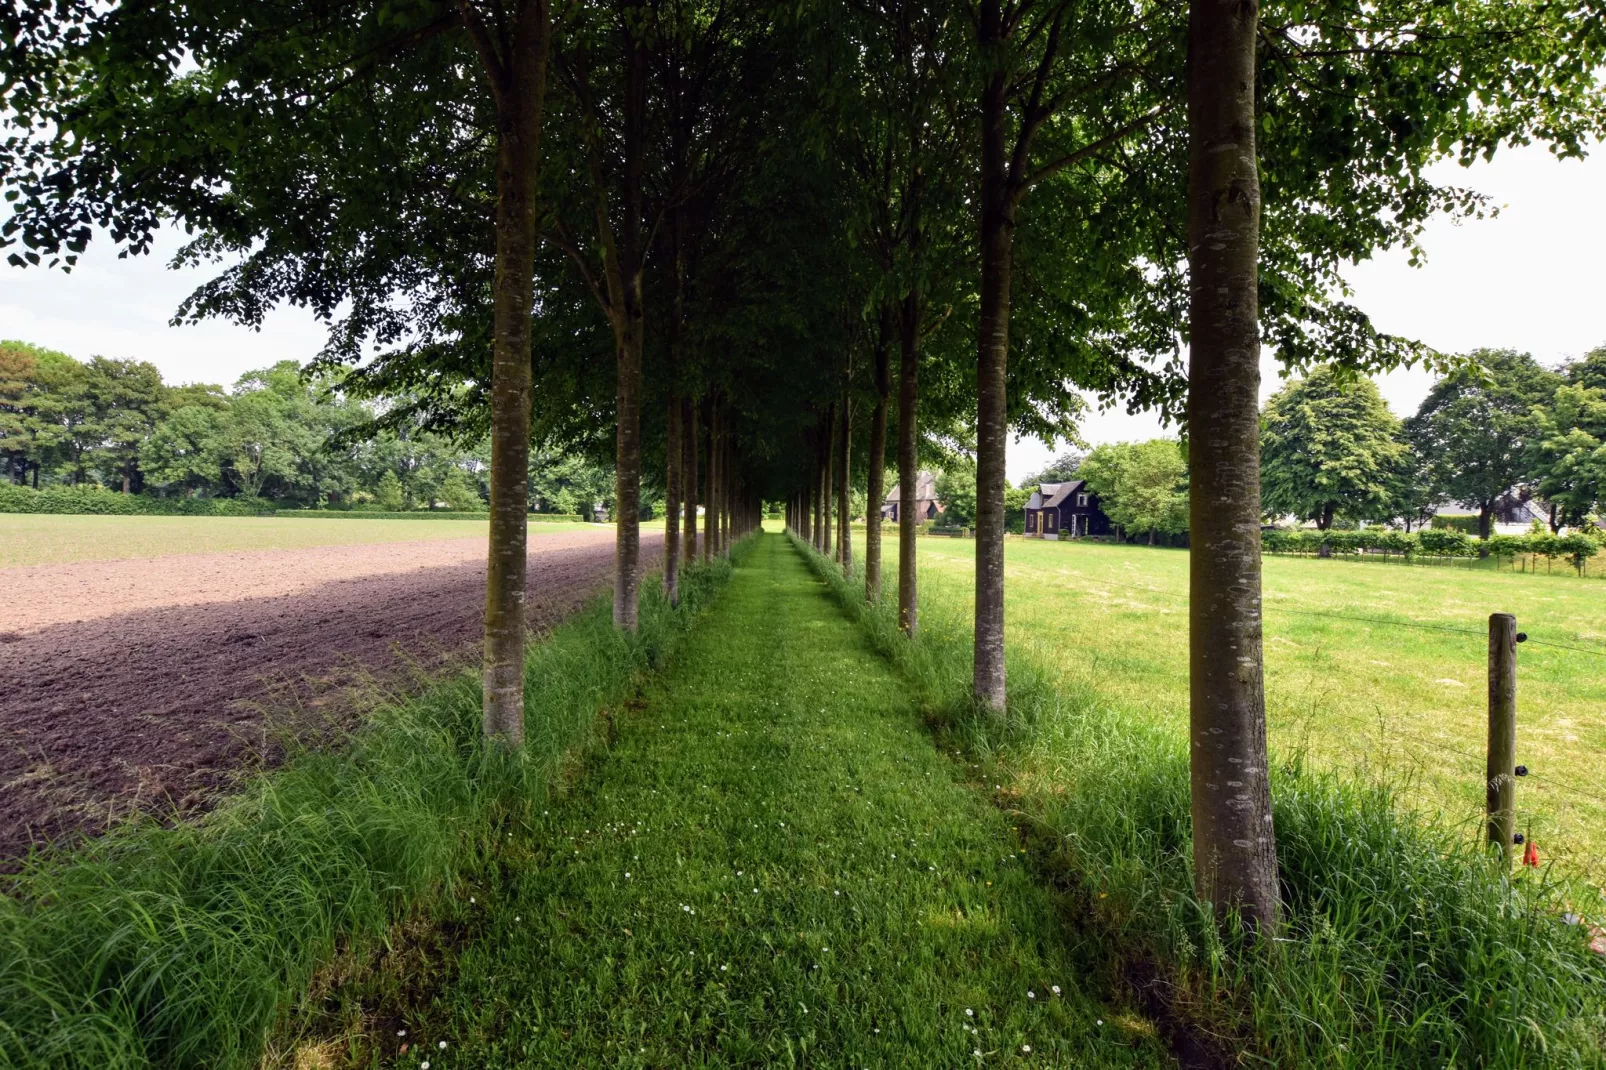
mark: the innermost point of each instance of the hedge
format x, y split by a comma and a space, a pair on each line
1466, 522
99, 501
103, 502
420, 514
1433, 542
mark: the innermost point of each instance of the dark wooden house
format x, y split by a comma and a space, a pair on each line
1064, 509
926, 504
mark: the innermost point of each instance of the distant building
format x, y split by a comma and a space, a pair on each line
1513, 514
926, 504
1068, 509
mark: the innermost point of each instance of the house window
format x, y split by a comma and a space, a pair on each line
1081, 499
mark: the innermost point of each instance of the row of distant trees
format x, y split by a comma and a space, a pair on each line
279, 435
1498, 427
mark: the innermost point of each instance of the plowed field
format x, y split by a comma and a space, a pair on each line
147, 682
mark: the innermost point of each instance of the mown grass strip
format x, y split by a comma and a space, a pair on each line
181, 946
772, 867
1404, 945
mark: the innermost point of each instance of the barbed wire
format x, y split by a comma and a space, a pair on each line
1569, 788
1378, 620
1531, 641
1439, 744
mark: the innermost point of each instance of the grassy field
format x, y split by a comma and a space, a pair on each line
182, 945
1369, 667
48, 539
773, 867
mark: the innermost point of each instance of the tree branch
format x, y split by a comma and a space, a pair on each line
1050, 169
495, 70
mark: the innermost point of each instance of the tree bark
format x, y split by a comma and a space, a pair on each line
827, 546
1234, 845
805, 505
1485, 526
876, 493
712, 480
992, 417
688, 418
518, 82
627, 492
728, 499
908, 462
844, 491
672, 491
630, 327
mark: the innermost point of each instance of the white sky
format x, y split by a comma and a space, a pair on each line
1530, 279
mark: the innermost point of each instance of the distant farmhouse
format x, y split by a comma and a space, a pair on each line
1513, 514
1068, 509
926, 504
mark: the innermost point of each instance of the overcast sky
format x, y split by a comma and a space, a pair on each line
1531, 279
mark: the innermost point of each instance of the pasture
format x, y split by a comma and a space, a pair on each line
51, 539
1371, 668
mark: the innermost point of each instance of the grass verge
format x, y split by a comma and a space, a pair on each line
182, 946
1404, 945
770, 867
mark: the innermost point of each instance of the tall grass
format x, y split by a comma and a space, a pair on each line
180, 946
1405, 945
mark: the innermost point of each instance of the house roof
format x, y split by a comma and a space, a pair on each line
1055, 493
1035, 501
925, 489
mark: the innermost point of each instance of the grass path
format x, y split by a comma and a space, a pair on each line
772, 867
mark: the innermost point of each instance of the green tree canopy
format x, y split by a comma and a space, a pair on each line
1059, 470
1330, 446
1142, 486
1477, 425
1567, 457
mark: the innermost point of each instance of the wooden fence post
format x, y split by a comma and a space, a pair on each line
1501, 799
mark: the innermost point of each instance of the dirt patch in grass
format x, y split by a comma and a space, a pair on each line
149, 684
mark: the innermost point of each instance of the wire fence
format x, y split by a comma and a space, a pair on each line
1551, 790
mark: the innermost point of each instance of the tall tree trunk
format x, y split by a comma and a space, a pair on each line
1234, 845
712, 480
728, 499
992, 417
630, 324
827, 470
672, 491
805, 507
627, 492
844, 491
1485, 526
688, 422
908, 462
876, 492
518, 81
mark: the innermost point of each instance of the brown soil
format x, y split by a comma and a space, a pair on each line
144, 684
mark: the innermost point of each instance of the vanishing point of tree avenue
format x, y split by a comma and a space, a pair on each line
738, 250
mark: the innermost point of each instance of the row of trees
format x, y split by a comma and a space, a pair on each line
720, 235
1496, 427
277, 435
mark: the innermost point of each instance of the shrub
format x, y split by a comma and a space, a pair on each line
102, 502
419, 514
1466, 523
1446, 542
1434, 542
